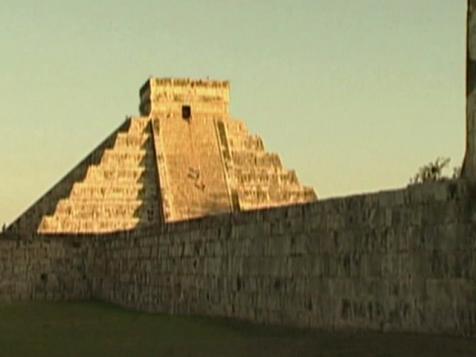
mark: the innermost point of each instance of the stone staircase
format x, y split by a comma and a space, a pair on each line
257, 177
118, 193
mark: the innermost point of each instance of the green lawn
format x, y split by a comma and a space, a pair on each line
95, 329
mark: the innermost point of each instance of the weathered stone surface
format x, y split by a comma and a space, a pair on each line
43, 269
185, 158
401, 260
355, 262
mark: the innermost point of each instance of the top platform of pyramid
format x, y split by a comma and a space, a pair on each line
183, 158
164, 94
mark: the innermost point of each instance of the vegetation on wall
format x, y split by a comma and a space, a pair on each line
434, 171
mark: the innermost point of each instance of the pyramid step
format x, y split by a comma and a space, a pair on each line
107, 191
109, 187
260, 170
245, 158
125, 157
126, 166
288, 178
54, 224
260, 199
138, 124
144, 215
99, 209
98, 216
96, 194
132, 175
235, 127
69, 205
145, 163
126, 140
269, 188
246, 142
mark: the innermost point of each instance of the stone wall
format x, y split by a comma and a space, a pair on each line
401, 260
43, 269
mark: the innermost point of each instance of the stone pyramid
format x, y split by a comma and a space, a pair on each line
183, 158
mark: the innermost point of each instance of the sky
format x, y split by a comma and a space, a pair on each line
353, 95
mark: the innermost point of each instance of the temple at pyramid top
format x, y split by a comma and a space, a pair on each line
184, 157
165, 95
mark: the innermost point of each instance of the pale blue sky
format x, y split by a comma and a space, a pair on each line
354, 95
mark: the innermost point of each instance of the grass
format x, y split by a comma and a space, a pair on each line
96, 329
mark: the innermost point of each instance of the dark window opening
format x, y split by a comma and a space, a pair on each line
186, 112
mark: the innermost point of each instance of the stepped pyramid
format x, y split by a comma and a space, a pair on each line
183, 158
